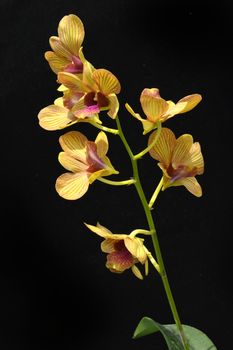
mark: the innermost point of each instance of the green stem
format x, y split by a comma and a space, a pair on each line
116, 183
147, 149
156, 192
104, 128
154, 236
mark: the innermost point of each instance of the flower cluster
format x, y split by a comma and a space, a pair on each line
86, 92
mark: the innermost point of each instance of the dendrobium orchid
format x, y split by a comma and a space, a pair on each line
180, 160
87, 91
157, 109
123, 251
98, 86
85, 160
65, 54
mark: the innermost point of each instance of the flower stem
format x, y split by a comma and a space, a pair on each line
155, 194
116, 183
104, 128
154, 236
147, 149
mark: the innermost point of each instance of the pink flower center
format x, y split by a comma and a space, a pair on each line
181, 172
75, 66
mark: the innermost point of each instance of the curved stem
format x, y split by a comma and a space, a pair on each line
104, 128
154, 236
116, 183
139, 231
147, 149
155, 194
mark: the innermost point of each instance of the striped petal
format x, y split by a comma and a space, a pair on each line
106, 81
74, 143
101, 142
113, 106
152, 106
55, 117
181, 150
191, 185
184, 105
100, 230
196, 158
71, 164
162, 150
107, 246
72, 186
72, 82
56, 62
136, 248
71, 32
59, 48
88, 70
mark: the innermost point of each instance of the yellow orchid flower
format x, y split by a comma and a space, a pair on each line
65, 54
63, 112
180, 160
123, 251
85, 160
157, 109
98, 86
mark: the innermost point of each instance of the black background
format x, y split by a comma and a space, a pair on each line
55, 291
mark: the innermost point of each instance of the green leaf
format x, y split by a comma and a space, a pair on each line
197, 340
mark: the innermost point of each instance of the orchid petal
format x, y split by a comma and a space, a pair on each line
196, 158
100, 230
152, 106
107, 246
136, 248
137, 272
181, 150
184, 105
59, 48
101, 142
71, 164
106, 81
191, 184
55, 117
72, 186
56, 63
162, 150
113, 106
72, 82
71, 33
74, 143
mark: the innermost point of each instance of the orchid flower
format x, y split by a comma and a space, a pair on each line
179, 159
85, 160
62, 113
65, 54
123, 251
157, 109
98, 86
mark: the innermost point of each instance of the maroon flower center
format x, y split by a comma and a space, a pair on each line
121, 259
93, 160
93, 98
